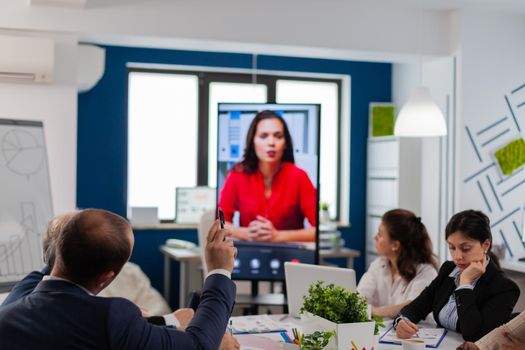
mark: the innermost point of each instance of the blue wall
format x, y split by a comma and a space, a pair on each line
146, 253
102, 134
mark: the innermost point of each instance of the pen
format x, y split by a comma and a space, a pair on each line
231, 325
221, 217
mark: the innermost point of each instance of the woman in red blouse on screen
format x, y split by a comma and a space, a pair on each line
272, 195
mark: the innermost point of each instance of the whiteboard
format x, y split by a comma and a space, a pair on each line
25, 197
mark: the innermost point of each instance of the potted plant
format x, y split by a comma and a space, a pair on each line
316, 341
324, 216
330, 307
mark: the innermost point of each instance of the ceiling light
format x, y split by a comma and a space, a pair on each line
420, 116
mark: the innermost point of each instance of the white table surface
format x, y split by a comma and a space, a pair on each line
251, 342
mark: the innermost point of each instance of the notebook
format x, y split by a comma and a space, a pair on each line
431, 336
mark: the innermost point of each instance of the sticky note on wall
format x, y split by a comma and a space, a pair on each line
511, 156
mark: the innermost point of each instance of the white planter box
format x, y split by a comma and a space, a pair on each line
361, 333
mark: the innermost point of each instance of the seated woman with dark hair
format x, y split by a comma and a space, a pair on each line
405, 265
470, 295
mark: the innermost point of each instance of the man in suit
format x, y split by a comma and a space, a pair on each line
63, 311
179, 319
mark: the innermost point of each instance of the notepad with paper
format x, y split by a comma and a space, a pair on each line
431, 336
254, 324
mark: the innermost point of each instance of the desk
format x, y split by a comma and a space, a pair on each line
185, 257
512, 265
451, 342
515, 270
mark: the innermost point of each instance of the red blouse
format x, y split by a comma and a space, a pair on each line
293, 197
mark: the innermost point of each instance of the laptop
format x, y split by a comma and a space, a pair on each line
299, 277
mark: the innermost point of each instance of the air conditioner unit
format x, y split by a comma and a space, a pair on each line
26, 59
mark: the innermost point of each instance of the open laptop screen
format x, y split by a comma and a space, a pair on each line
300, 276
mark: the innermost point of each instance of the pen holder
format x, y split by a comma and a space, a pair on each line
348, 336
413, 344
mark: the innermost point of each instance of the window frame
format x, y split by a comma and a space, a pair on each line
208, 75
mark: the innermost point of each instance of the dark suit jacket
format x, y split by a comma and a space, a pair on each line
480, 310
60, 315
26, 285
29, 283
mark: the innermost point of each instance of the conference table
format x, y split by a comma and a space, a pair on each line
268, 342
186, 257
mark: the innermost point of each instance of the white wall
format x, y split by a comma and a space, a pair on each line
56, 105
332, 27
493, 64
436, 171
405, 76
437, 75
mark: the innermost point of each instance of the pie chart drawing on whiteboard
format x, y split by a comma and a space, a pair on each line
22, 152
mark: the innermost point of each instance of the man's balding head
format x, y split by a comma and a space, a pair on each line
53, 228
93, 242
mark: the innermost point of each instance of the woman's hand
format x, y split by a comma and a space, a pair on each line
261, 229
467, 346
240, 233
473, 271
229, 343
511, 343
406, 329
184, 316
145, 313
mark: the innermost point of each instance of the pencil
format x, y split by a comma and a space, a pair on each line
353, 345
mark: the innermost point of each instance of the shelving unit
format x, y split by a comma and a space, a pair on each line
393, 181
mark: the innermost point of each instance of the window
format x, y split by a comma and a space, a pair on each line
172, 126
162, 139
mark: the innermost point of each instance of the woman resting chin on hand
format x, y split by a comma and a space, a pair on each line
464, 295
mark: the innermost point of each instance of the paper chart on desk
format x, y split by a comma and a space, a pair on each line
431, 336
254, 324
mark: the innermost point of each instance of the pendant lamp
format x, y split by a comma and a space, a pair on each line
420, 116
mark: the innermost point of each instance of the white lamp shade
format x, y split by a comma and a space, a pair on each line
420, 116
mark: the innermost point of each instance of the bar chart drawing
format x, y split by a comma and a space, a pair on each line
21, 252
25, 198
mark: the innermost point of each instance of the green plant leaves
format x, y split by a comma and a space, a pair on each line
379, 324
335, 304
317, 340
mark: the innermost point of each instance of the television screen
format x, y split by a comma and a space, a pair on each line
268, 185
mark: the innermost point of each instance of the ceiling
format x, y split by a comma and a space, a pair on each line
486, 5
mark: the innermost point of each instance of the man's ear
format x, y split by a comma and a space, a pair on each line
104, 279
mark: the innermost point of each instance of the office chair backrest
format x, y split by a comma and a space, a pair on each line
205, 223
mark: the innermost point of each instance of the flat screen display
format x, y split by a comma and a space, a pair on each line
268, 185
